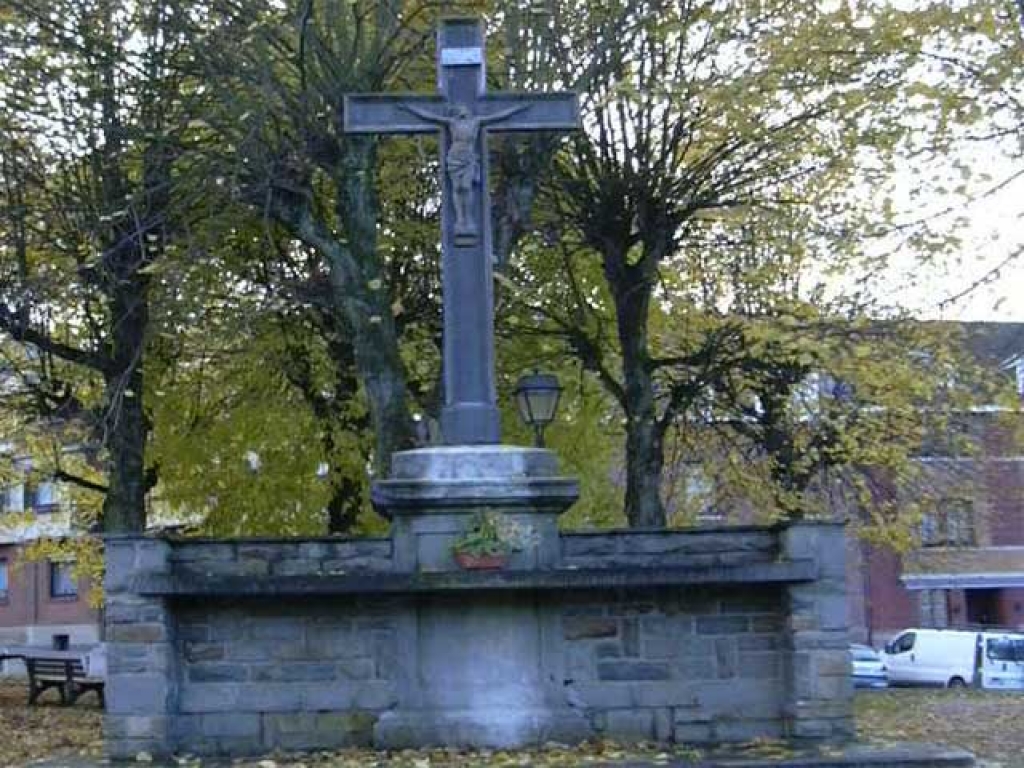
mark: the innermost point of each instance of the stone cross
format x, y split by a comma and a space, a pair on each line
464, 112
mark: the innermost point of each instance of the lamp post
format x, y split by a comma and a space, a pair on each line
537, 400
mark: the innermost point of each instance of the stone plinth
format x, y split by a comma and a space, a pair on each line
237, 647
433, 494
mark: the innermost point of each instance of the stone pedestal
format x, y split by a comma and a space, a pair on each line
480, 671
433, 494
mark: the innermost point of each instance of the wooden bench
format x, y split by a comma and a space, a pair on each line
67, 675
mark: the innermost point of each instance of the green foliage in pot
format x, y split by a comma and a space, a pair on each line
491, 533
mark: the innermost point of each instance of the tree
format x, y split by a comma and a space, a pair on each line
94, 115
708, 125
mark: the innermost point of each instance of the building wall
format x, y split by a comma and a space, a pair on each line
31, 616
994, 484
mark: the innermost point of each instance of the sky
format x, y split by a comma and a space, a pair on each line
993, 286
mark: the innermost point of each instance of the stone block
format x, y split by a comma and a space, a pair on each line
766, 623
296, 567
688, 732
270, 697
386, 659
210, 697
579, 627
354, 669
218, 673
153, 632
757, 643
119, 566
623, 669
126, 609
194, 651
695, 668
629, 725
630, 632
833, 663
832, 688
276, 630
127, 749
152, 556
313, 550
131, 694
328, 696
155, 727
189, 632
294, 672
608, 650
658, 694
725, 657
663, 726
605, 695
722, 625
235, 724
740, 729
759, 665
200, 552
375, 695
760, 699
588, 545
579, 662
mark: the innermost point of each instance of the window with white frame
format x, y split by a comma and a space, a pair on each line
5, 576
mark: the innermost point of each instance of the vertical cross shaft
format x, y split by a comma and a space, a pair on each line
470, 413
463, 112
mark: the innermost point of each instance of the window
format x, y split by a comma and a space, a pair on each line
904, 643
950, 525
1005, 649
40, 497
63, 583
12, 498
4, 584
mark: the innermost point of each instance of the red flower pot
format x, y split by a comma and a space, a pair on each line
480, 562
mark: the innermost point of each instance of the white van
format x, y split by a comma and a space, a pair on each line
1002, 661
956, 658
944, 657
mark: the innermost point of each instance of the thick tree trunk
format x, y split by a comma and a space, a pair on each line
126, 427
644, 436
367, 304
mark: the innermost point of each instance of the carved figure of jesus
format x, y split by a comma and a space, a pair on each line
462, 161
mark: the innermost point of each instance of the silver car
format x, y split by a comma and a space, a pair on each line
868, 668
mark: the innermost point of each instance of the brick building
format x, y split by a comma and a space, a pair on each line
42, 603
969, 567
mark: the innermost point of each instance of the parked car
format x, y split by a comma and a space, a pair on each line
868, 668
935, 657
956, 658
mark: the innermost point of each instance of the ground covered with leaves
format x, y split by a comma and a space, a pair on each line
989, 724
46, 730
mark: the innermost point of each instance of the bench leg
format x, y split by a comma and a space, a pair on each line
38, 689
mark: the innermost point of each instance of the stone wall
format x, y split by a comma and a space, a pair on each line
670, 665
248, 646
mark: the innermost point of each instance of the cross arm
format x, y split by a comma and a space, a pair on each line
385, 113
530, 112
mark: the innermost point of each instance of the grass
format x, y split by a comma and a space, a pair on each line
989, 724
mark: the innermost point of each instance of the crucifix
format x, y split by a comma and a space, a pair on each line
464, 113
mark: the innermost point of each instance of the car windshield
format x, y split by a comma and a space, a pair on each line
863, 653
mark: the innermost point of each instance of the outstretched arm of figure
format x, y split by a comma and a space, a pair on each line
502, 114
430, 117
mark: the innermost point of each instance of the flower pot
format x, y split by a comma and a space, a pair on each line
480, 562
